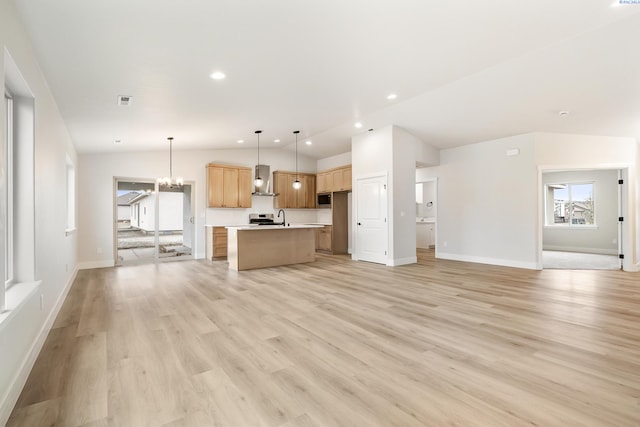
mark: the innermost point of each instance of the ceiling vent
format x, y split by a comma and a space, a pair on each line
124, 100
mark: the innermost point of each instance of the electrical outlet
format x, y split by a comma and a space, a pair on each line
444, 243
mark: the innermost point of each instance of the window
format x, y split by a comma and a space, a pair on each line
8, 169
17, 190
570, 204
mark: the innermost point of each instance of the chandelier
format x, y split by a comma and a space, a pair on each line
168, 181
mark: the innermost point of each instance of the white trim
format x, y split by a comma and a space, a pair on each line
96, 264
624, 168
633, 268
402, 261
492, 261
580, 249
17, 294
20, 379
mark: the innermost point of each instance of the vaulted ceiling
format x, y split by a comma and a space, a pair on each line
463, 71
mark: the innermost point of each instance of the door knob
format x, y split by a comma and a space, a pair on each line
359, 224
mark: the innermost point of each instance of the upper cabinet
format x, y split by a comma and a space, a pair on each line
229, 186
333, 180
289, 197
324, 182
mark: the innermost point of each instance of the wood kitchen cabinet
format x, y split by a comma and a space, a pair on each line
228, 186
323, 239
288, 197
341, 179
333, 180
324, 182
334, 239
216, 244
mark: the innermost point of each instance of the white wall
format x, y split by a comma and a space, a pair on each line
487, 206
96, 173
392, 151
490, 204
603, 239
23, 331
405, 148
124, 213
428, 196
333, 162
171, 212
560, 151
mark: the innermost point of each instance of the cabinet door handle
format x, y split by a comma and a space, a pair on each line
359, 224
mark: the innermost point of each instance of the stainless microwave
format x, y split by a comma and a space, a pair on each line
324, 200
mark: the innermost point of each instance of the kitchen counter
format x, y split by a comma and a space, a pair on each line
260, 246
255, 227
426, 220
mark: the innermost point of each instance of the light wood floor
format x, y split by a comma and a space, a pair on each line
338, 342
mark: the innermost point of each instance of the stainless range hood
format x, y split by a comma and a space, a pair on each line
264, 172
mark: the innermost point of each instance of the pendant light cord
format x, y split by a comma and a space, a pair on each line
258, 132
296, 133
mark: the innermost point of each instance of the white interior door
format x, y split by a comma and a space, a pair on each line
372, 231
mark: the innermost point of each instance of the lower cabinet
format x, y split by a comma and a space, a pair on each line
216, 247
323, 239
425, 235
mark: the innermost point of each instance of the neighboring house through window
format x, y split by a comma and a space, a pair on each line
570, 204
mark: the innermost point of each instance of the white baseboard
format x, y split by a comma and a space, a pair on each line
402, 261
599, 251
96, 264
632, 268
490, 261
20, 379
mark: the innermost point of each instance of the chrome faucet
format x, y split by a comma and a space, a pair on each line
284, 218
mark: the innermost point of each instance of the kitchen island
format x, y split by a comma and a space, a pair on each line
259, 246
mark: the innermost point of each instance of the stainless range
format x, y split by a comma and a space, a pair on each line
261, 219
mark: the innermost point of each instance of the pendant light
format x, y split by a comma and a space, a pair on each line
258, 181
167, 181
297, 184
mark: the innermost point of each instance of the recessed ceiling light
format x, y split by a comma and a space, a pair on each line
563, 113
117, 141
217, 75
308, 142
392, 96
276, 140
240, 141
358, 125
615, 4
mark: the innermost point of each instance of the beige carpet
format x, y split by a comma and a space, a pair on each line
579, 261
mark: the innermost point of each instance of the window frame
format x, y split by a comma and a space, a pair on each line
550, 205
9, 149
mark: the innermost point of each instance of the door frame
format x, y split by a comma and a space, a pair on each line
355, 197
433, 179
623, 208
156, 239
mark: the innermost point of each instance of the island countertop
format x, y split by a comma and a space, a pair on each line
255, 227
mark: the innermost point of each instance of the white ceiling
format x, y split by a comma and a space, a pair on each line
464, 71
